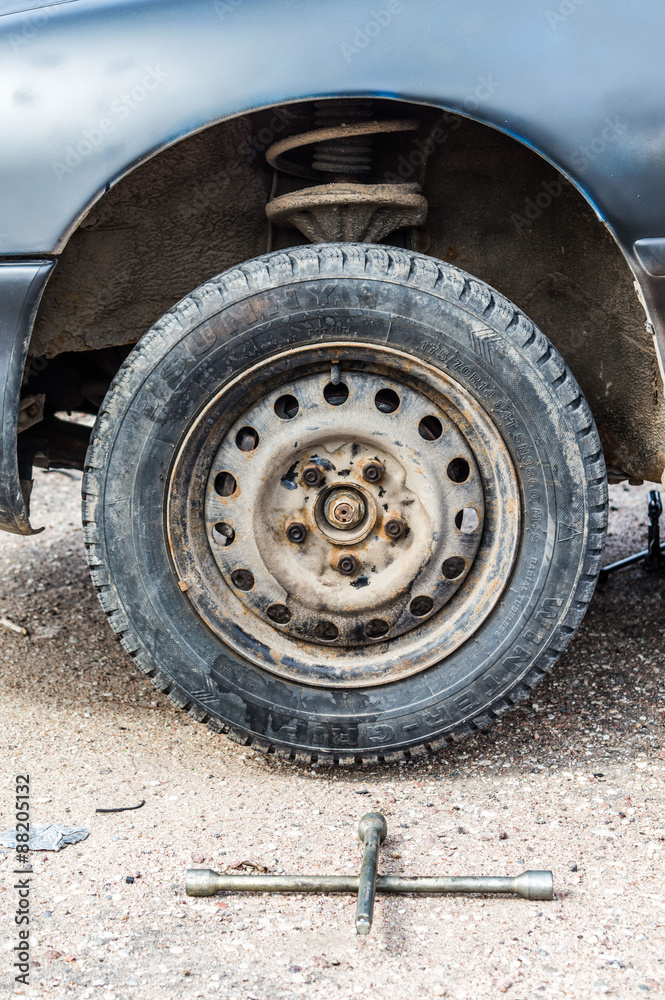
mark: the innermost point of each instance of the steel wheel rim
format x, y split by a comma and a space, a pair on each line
283, 603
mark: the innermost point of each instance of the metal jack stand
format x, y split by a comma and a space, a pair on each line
372, 831
653, 556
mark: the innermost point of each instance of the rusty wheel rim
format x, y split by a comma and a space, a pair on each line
343, 515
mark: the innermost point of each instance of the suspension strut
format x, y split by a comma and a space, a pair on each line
347, 207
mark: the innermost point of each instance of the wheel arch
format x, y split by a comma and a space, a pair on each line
499, 208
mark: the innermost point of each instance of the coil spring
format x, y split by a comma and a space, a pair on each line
348, 154
342, 140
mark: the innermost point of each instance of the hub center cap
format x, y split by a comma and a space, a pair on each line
344, 509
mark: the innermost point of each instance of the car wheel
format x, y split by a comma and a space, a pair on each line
345, 503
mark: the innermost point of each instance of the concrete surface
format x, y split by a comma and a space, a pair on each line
572, 781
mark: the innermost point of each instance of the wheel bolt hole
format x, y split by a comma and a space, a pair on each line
375, 628
458, 470
336, 394
430, 428
223, 533
247, 439
279, 613
394, 528
286, 407
296, 532
387, 401
326, 631
242, 579
453, 567
421, 606
372, 472
225, 484
311, 475
347, 565
467, 520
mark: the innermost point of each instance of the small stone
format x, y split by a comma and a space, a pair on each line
504, 985
129, 879
573, 866
438, 990
70, 958
51, 954
503, 835
460, 829
198, 859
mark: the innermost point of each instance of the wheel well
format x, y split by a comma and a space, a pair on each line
496, 209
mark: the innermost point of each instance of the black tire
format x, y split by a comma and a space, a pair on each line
428, 310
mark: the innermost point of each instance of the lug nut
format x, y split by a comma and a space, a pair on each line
296, 532
347, 565
373, 472
311, 475
394, 528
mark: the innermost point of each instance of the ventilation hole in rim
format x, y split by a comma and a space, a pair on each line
420, 606
247, 439
467, 520
386, 400
223, 533
279, 613
453, 567
430, 428
375, 628
225, 484
327, 631
242, 579
286, 407
336, 394
458, 470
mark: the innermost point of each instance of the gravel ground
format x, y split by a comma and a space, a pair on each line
572, 781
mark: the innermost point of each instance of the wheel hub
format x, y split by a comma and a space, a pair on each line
409, 556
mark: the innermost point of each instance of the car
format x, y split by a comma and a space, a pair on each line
368, 303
